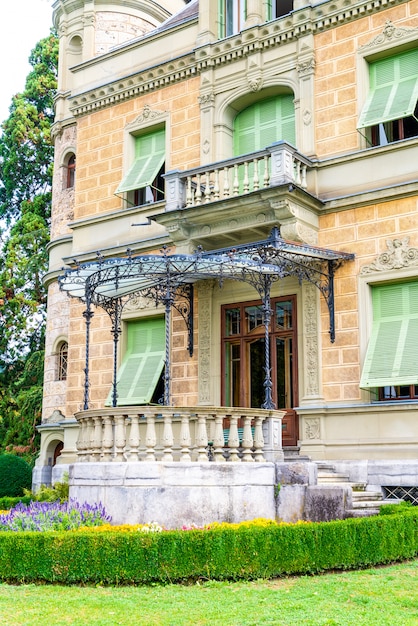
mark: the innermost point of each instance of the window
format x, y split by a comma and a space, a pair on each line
70, 172
232, 15
391, 363
244, 350
278, 8
144, 182
390, 112
139, 379
263, 123
62, 361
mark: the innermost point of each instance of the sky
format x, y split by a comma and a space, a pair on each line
22, 24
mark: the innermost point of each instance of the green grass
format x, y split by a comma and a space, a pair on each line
383, 596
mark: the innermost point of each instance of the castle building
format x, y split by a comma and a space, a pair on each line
235, 206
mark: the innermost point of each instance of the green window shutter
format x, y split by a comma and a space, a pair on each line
143, 363
269, 12
393, 89
392, 355
263, 123
149, 157
221, 19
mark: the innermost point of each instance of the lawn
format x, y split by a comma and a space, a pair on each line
380, 596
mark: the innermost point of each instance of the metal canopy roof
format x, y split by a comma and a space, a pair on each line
168, 279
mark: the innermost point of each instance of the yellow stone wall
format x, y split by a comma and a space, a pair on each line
363, 231
337, 78
100, 144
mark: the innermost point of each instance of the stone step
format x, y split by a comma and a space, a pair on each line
358, 496
361, 512
332, 477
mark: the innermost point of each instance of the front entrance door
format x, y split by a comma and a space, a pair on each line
244, 357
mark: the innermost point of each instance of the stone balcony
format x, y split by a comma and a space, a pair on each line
191, 435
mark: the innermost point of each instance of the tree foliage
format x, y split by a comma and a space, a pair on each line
26, 159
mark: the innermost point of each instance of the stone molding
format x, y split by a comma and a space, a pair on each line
397, 256
389, 35
303, 22
147, 115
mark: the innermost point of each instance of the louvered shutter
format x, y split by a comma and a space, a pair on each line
143, 363
393, 89
392, 355
149, 157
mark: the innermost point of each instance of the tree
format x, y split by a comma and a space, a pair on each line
26, 158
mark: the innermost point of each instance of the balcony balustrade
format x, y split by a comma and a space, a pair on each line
154, 433
278, 164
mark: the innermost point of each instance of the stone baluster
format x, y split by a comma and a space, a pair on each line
258, 440
185, 438
233, 439
168, 439
107, 441
216, 186
96, 444
235, 186
81, 440
120, 437
201, 439
218, 440
134, 438
150, 438
246, 181
198, 194
256, 178
303, 182
89, 438
247, 440
226, 182
189, 192
266, 177
207, 187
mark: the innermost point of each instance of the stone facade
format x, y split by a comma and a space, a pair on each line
123, 71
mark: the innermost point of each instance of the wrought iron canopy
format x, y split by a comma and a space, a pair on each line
111, 282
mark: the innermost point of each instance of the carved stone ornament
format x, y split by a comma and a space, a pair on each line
56, 417
398, 255
147, 115
312, 428
206, 99
306, 68
255, 83
389, 34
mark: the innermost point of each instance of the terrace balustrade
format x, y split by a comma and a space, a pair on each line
278, 164
163, 433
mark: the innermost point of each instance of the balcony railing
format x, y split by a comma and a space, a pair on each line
278, 164
151, 433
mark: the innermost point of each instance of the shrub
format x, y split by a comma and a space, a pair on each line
222, 553
15, 475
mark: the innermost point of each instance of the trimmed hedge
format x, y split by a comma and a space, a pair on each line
114, 558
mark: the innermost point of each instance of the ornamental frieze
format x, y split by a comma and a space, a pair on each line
397, 256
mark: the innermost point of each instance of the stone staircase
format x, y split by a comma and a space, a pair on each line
363, 503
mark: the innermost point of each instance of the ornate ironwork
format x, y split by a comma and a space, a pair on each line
168, 279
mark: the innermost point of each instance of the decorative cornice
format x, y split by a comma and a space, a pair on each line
147, 115
306, 21
389, 34
398, 256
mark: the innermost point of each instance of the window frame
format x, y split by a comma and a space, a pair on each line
274, 10
147, 122
231, 17
62, 361
379, 49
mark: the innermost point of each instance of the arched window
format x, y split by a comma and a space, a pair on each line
263, 123
70, 172
63, 361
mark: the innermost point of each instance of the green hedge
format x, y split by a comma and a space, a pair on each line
7, 502
117, 557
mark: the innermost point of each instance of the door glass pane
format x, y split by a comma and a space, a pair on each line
284, 316
233, 374
256, 365
284, 362
253, 317
233, 322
